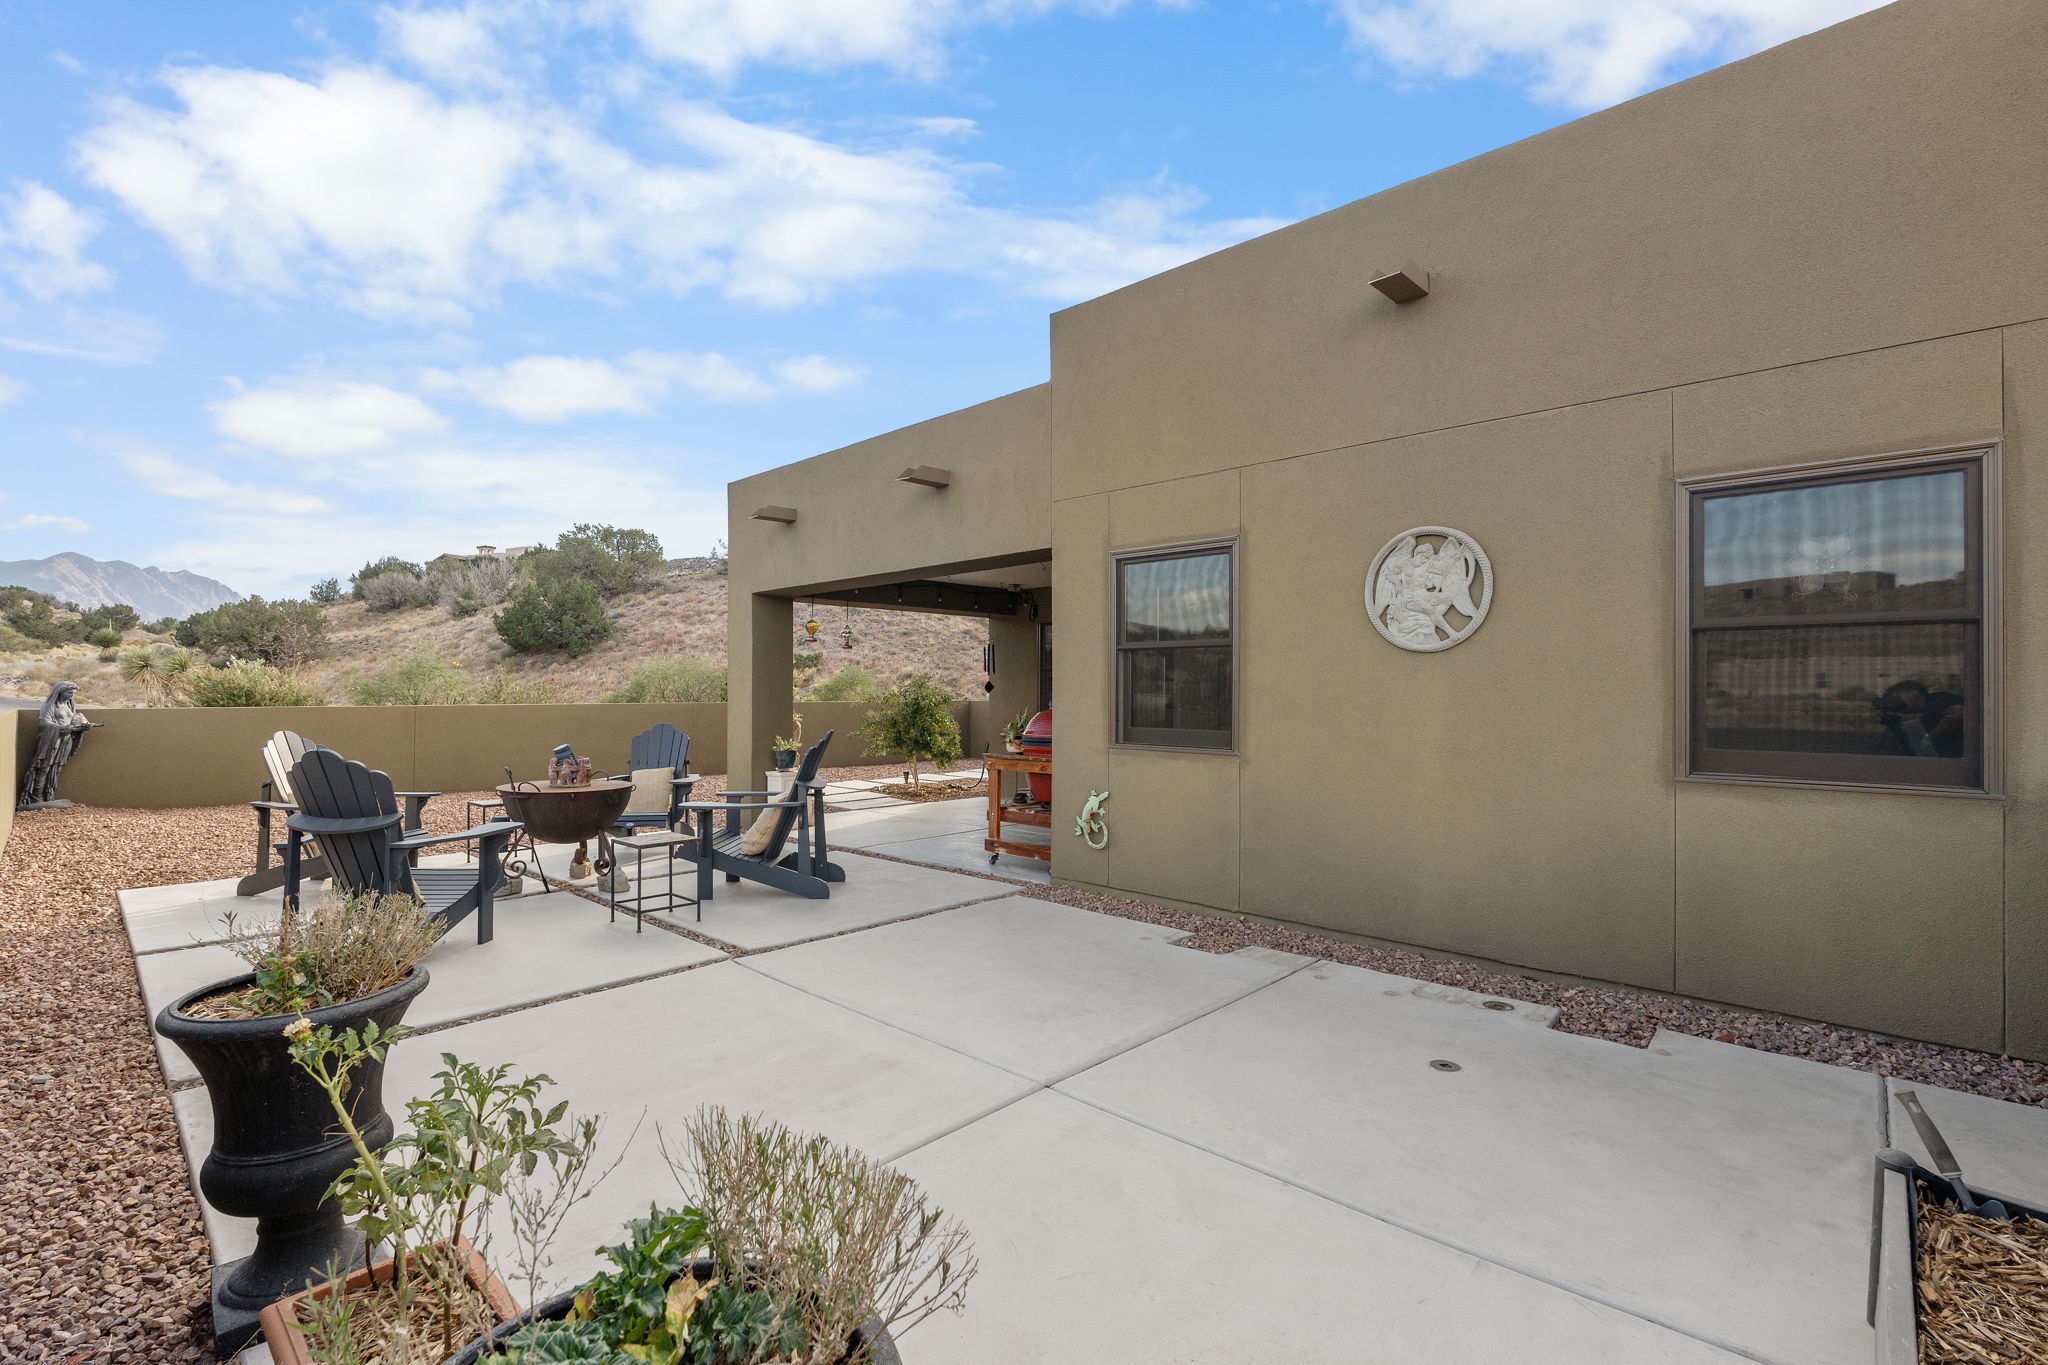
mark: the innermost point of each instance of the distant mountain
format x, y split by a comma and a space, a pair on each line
90, 582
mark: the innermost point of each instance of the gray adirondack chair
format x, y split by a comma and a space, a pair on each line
354, 814
807, 871
662, 746
280, 752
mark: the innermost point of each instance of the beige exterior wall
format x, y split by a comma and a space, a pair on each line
12, 760
1832, 249
857, 525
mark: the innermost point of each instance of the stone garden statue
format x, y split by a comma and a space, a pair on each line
62, 729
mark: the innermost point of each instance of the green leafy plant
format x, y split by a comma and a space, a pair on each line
566, 616
326, 592
477, 1138
417, 680
852, 682
680, 679
914, 719
498, 689
246, 682
611, 559
342, 947
1013, 731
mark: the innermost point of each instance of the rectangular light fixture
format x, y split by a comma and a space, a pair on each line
1406, 285
926, 475
785, 515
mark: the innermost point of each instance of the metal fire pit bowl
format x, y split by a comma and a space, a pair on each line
568, 815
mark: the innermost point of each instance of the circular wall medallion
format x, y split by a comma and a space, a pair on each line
1428, 588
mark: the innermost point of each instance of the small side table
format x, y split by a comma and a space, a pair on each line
647, 899
474, 813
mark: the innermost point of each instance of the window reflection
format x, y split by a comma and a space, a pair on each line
1873, 545
1894, 689
1177, 599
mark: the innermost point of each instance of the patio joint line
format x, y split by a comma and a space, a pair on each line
1590, 1296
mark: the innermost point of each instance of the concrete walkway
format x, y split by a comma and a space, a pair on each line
1169, 1155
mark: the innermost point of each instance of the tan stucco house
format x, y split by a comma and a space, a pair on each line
1740, 390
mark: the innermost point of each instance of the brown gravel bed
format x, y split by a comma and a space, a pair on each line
1616, 1013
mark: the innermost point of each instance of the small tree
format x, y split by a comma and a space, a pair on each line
914, 719
565, 616
611, 559
326, 592
286, 633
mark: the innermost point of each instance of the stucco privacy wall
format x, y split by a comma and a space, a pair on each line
1727, 275
11, 761
207, 756
857, 525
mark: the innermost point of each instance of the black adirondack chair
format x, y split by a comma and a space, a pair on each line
807, 871
354, 814
663, 746
279, 753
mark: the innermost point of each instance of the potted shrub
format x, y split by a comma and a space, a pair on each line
786, 750
792, 1248
479, 1138
1013, 733
347, 962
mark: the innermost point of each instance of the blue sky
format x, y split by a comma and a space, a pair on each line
287, 287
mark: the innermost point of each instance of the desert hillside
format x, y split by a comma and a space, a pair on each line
684, 616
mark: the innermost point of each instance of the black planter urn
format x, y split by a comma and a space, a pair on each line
277, 1146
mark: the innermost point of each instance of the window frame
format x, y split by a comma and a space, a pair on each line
1119, 733
1984, 559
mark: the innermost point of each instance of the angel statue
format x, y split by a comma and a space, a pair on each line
1419, 584
60, 731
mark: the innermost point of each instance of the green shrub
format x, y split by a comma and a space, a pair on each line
326, 592
377, 568
914, 719
34, 615
106, 637
418, 680
246, 682
163, 625
611, 559
675, 680
851, 683
284, 634
567, 616
117, 617
466, 589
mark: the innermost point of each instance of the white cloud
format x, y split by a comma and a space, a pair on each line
38, 521
458, 46
397, 200
173, 479
11, 389
42, 242
555, 388
318, 418
1581, 53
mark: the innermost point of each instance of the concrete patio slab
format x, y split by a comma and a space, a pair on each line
662, 1049
160, 918
899, 824
1039, 989
545, 946
964, 852
1102, 1241
2002, 1147
751, 916
1713, 1189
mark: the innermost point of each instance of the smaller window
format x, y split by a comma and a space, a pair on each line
1176, 647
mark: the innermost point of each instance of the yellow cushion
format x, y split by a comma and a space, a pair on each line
652, 791
755, 841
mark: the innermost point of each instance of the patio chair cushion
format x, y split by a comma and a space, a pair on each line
653, 791
755, 842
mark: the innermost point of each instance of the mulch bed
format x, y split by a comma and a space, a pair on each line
934, 791
1983, 1288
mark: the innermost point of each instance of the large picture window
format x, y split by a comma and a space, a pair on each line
1176, 647
1838, 626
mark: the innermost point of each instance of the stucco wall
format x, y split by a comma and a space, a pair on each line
11, 760
205, 756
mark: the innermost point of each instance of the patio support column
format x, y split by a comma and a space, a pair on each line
758, 685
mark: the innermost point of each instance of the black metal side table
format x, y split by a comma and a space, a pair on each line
656, 898
474, 813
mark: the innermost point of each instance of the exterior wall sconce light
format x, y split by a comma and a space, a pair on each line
1406, 285
785, 515
926, 476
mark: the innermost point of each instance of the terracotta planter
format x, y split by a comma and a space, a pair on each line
276, 1146
288, 1345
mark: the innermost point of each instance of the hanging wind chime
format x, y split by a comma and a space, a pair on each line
846, 631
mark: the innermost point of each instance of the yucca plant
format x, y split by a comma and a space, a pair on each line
160, 669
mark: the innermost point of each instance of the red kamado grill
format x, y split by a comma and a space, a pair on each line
1037, 741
